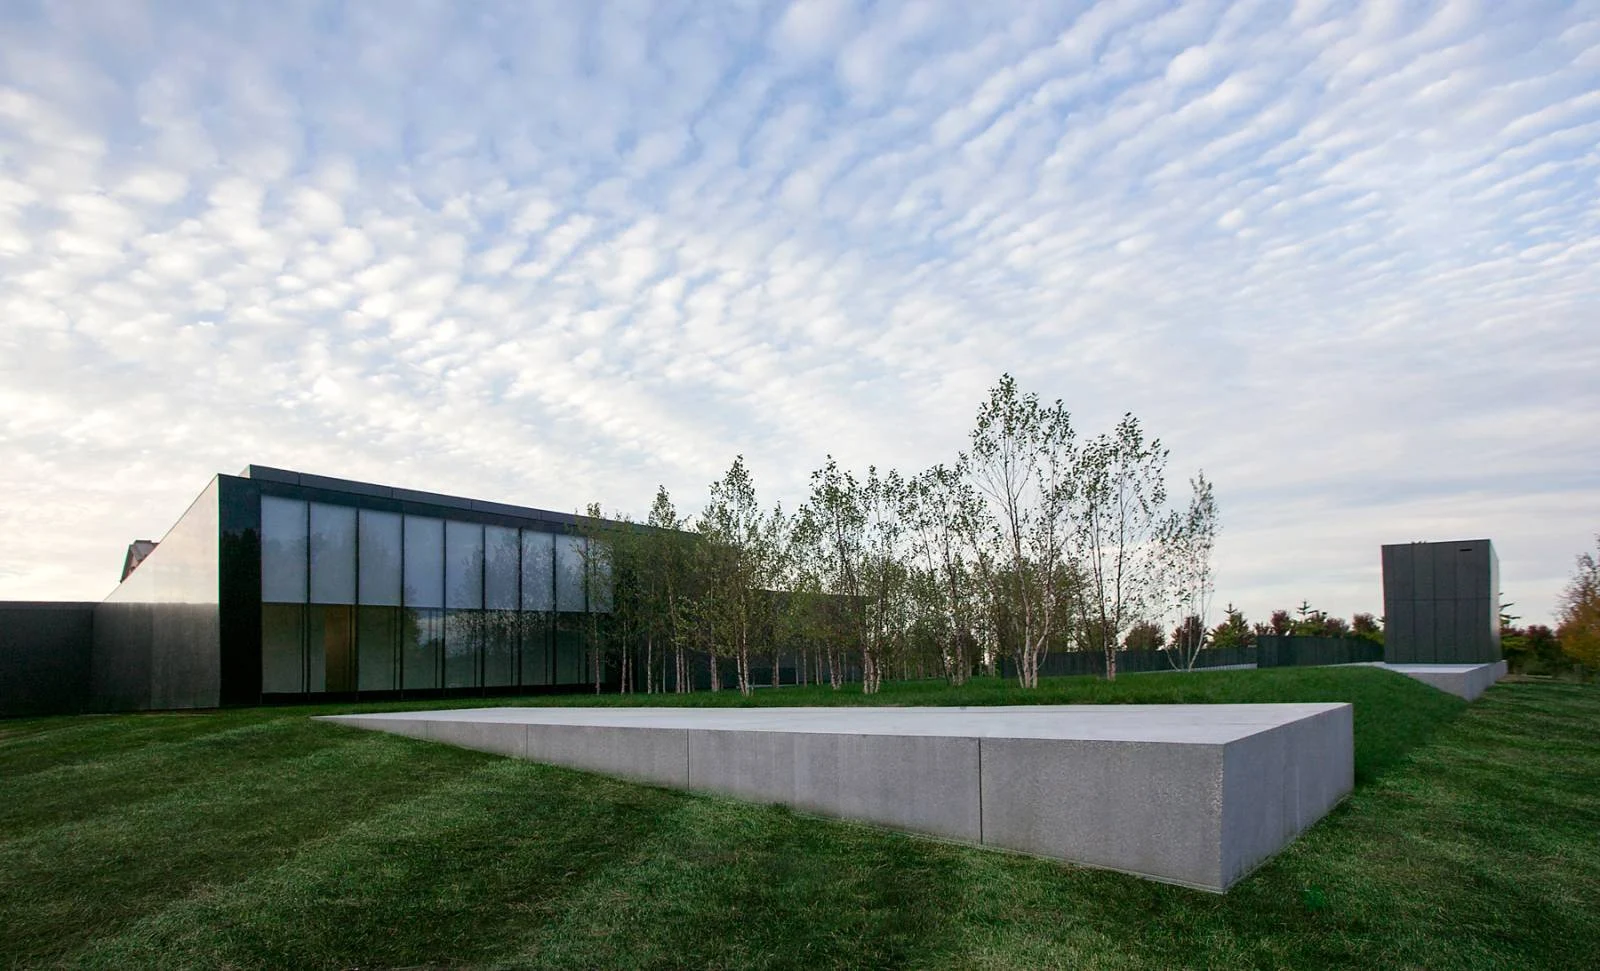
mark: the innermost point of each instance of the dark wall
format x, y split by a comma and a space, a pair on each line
1068, 663
44, 657
1441, 603
156, 638
239, 589
1290, 650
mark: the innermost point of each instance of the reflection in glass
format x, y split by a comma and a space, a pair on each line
421, 641
282, 663
424, 567
569, 648
569, 573
463, 632
283, 550
463, 544
535, 648
500, 567
379, 549
500, 647
538, 571
377, 639
330, 642
333, 554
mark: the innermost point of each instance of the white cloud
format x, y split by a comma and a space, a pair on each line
1341, 255
1194, 64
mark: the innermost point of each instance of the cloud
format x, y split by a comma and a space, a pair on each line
1340, 255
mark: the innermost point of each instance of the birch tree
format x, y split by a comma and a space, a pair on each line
596, 556
883, 569
1120, 492
662, 570
1022, 461
1187, 541
943, 514
736, 555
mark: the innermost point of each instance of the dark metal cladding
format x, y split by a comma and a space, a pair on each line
1441, 603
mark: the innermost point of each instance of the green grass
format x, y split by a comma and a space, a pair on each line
259, 838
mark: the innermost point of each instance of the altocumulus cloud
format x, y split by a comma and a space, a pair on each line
1342, 256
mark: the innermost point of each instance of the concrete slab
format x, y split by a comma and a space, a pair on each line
1191, 794
1467, 681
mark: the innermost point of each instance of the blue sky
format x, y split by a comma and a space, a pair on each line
1343, 256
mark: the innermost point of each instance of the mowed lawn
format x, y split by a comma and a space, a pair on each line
260, 838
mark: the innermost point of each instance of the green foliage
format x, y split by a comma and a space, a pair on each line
1233, 632
1534, 650
1028, 543
1311, 623
1366, 627
1145, 635
1579, 632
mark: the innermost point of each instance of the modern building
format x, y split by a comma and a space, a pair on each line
1441, 603
278, 585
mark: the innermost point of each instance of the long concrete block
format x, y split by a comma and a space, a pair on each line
1467, 681
925, 784
1192, 794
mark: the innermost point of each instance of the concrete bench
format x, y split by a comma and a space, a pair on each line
1197, 795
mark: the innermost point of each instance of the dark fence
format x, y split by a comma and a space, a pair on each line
44, 657
1289, 650
1068, 663
810, 668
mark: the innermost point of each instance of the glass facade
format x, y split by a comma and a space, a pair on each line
360, 600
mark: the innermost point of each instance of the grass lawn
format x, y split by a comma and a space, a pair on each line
259, 838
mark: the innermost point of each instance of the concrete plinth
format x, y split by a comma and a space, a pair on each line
1462, 680
1191, 794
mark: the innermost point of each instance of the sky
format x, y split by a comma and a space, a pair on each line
1343, 257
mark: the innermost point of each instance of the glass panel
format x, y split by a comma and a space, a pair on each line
463, 544
282, 664
421, 641
570, 655
463, 632
330, 642
333, 554
569, 573
535, 648
500, 568
500, 646
377, 636
538, 570
283, 550
379, 558
424, 564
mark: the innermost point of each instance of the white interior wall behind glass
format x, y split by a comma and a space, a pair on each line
333, 554
569, 573
501, 555
283, 550
463, 584
379, 559
538, 571
424, 562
